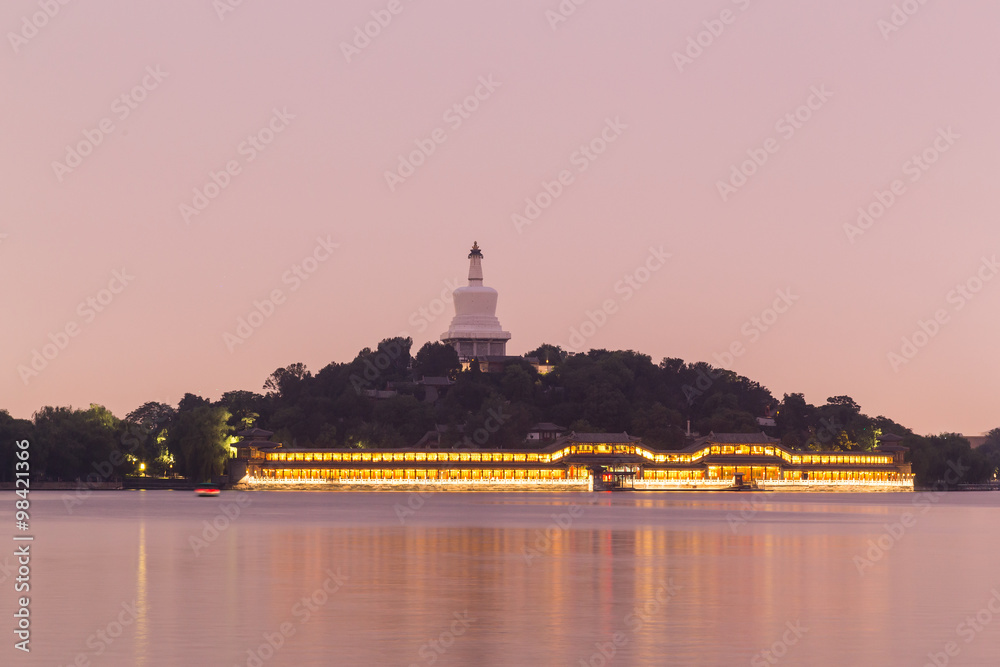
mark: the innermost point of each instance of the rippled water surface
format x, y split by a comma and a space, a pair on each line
643, 578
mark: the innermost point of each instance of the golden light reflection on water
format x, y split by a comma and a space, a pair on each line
142, 602
669, 576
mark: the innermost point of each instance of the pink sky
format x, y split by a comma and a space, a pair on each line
336, 127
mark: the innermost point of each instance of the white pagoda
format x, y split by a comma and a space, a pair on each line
475, 331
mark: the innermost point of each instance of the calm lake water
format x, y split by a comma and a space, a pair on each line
643, 578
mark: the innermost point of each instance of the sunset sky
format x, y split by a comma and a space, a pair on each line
117, 114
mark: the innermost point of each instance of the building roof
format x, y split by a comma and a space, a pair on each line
890, 437
379, 393
600, 437
436, 381
737, 439
546, 426
259, 444
255, 433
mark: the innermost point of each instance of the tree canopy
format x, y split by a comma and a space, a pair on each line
378, 400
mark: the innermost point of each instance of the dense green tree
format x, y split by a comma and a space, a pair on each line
192, 401
518, 383
244, 406
287, 383
990, 450
145, 436
600, 390
946, 460
548, 354
13, 431
436, 359
198, 440
408, 417
68, 444
658, 426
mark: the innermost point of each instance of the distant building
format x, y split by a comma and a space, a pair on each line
379, 394
475, 330
544, 432
434, 387
582, 460
432, 439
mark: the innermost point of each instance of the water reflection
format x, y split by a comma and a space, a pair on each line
469, 579
142, 602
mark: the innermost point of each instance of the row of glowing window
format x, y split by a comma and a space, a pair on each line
822, 458
737, 450
773, 473
410, 473
733, 450
407, 456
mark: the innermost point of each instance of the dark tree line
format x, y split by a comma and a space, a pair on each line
600, 390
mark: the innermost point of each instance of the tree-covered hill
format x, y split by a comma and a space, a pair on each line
383, 399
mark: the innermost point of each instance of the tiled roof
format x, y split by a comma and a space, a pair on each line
547, 426
436, 381
601, 437
739, 439
255, 433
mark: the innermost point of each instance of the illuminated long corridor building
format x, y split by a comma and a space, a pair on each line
578, 461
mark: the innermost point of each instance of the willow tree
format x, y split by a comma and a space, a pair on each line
198, 440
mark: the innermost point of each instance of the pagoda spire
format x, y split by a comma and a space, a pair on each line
475, 265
